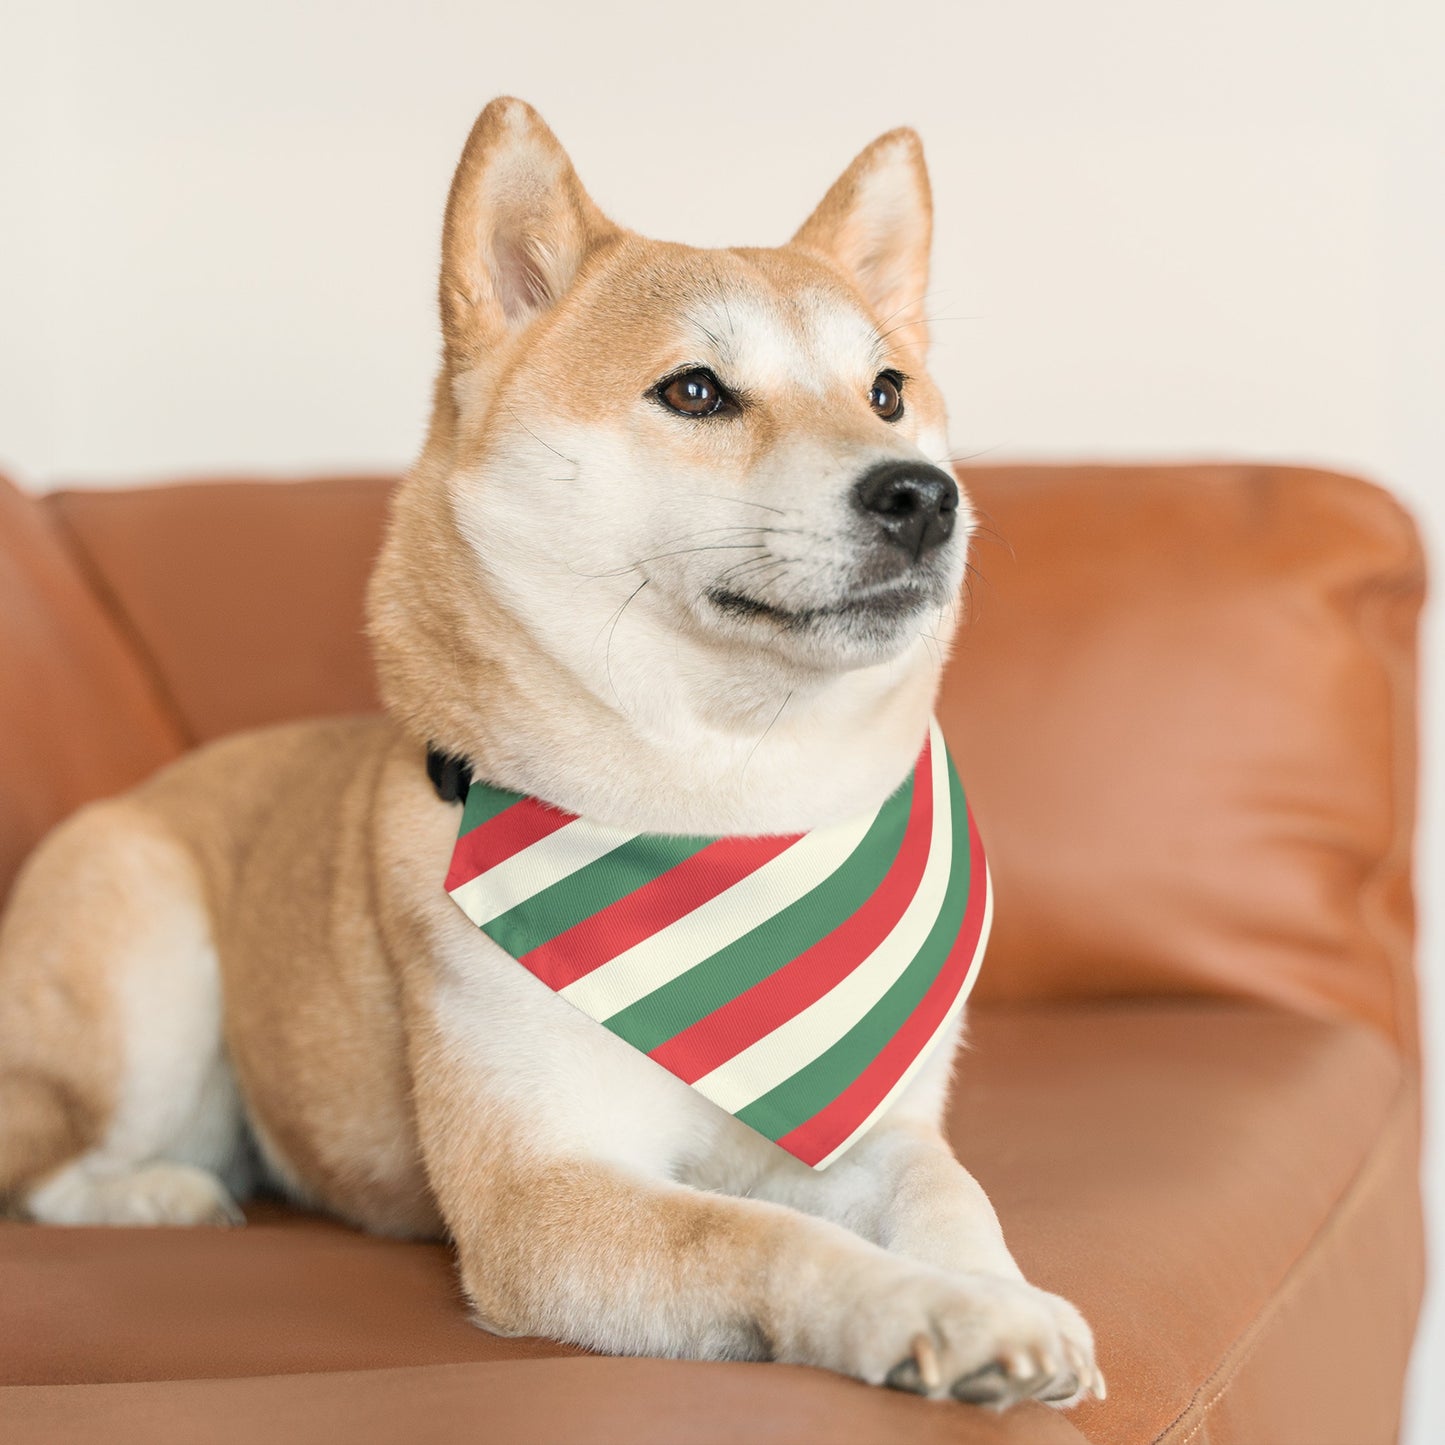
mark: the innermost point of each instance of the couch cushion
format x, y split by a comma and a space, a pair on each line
79, 718
532, 1402
1185, 1172
247, 596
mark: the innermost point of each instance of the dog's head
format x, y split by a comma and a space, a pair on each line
736, 453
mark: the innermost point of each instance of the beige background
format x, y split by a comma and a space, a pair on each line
1163, 229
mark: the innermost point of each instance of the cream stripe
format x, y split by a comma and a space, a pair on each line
537, 866
954, 1009
723, 919
795, 1044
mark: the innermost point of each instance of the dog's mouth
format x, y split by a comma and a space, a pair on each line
891, 603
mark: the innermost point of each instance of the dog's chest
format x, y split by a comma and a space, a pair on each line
576, 1088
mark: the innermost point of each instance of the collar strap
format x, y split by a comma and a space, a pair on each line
450, 776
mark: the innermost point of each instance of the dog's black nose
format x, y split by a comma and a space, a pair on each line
914, 503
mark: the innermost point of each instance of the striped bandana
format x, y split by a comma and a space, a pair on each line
796, 981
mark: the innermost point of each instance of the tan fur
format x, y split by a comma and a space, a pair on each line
55, 1097
265, 921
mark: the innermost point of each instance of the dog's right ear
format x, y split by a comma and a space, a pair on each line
518, 227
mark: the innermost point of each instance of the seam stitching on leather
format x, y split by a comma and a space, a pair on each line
1299, 1272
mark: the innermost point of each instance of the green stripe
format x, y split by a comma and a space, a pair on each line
483, 804
722, 976
817, 1084
589, 890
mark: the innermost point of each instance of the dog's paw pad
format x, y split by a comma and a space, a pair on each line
920, 1373
1062, 1389
905, 1376
989, 1386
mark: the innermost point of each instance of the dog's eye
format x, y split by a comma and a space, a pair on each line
886, 398
694, 393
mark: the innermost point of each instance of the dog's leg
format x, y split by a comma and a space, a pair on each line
116, 1105
609, 1255
901, 1188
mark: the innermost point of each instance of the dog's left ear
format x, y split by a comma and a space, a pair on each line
877, 224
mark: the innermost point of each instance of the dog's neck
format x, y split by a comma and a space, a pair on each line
685, 745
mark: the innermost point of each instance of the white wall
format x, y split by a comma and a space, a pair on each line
1163, 229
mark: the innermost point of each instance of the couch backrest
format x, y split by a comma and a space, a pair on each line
246, 597
1183, 706
79, 716
1185, 714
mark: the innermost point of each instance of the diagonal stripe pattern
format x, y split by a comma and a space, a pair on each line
798, 982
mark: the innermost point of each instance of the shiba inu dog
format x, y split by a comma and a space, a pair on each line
677, 557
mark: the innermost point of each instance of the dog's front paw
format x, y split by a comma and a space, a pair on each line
980, 1338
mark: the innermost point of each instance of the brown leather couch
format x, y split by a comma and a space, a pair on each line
1184, 709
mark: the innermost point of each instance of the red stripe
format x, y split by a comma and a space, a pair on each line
514, 828
647, 910
831, 1125
772, 1001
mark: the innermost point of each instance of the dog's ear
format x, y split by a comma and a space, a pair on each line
877, 223
518, 227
